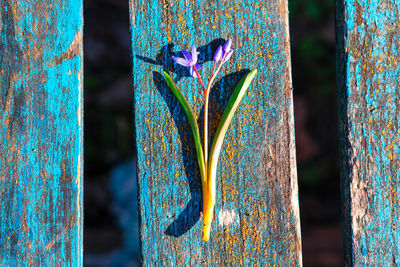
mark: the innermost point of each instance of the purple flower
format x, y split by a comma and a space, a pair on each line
189, 60
218, 54
224, 53
227, 50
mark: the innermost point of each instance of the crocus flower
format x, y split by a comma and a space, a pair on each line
189, 60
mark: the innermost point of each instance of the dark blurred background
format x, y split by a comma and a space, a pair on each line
111, 232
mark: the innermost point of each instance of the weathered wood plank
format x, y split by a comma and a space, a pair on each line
41, 133
256, 216
368, 34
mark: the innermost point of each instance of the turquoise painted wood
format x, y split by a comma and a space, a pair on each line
257, 215
368, 34
41, 133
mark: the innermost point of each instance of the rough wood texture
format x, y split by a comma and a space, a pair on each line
41, 133
368, 80
256, 217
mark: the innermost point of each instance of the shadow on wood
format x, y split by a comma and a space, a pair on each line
190, 215
164, 57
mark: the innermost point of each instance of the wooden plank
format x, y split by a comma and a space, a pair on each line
368, 80
256, 216
41, 133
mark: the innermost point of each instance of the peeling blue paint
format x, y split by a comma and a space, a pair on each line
41, 153
370, 147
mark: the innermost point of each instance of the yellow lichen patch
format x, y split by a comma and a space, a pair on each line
181, 21
167, 18
393, 194
230, 239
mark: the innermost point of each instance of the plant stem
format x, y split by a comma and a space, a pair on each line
209, 187
215, 63
206, 127
213, 76
208, 211
200, 80
206, 97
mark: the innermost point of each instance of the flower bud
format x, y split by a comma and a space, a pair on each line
227, 45
218, 54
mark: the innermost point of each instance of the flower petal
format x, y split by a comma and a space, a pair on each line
188, 57
193, 73
227, 45
228, 56
181, 61
198, 66
218, 54
194, 54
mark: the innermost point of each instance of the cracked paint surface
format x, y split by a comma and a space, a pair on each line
41, 133
368, 34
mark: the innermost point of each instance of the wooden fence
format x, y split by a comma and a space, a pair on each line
41, 133
257, 213
368, 54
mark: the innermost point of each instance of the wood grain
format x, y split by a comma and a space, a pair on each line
257, 216
368, 34
41, 133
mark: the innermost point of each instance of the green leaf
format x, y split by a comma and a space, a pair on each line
226, 119
193, 124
